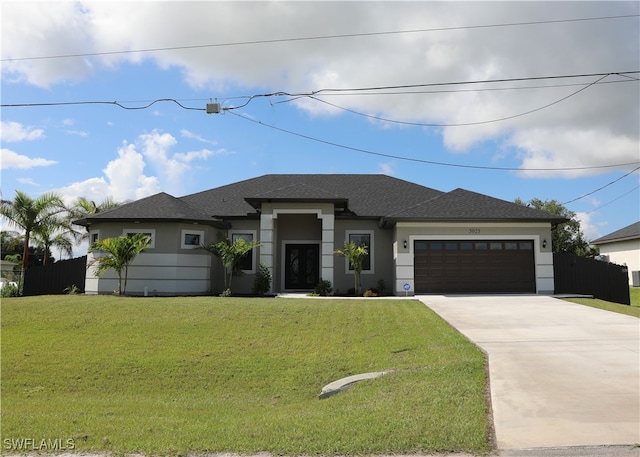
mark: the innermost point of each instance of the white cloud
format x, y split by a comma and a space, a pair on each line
556, 147
28, 181
14, 132
124, 177
78, 133
553, 137
188, 134
11, 159
123, 180
387, 169
591, 229
36, 29
172, 167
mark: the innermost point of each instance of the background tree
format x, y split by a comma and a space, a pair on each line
565, 236
29, 214
120, 253
355, 254
10, 243
230, 253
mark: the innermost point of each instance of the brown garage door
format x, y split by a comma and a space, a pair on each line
478, 266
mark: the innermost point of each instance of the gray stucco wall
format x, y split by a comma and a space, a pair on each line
382, 266
168, 267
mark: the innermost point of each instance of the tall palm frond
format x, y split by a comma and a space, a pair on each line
83, 208
28, 214
54, 232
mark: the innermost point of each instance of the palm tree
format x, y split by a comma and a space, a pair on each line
120, 253
230, 254
355, 254
83, 208
29, 214
53, 232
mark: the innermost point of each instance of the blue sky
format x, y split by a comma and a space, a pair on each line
233, 53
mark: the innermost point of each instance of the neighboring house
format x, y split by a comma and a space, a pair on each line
622, 247
420, 240
7, 273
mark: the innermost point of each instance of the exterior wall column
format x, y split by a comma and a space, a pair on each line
327, 248
266, 245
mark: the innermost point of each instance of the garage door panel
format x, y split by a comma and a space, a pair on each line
471, 266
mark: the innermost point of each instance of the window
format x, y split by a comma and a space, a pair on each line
362, 239
94, 236
526, 245
192, 239
247, 262
151, 233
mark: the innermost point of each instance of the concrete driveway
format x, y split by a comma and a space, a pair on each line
561, 374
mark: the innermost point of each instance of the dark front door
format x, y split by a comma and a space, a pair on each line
302, 266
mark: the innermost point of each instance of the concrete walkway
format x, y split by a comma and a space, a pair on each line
561, 374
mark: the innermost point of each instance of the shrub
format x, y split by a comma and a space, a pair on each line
323, 288
10, 290
262, 282
71, 290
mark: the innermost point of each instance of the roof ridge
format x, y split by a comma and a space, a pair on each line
415, 205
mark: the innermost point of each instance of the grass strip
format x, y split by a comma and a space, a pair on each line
194, 375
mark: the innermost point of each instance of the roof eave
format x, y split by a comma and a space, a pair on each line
471, 219
615, 240
87, 222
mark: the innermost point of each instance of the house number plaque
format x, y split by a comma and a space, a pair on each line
474, 231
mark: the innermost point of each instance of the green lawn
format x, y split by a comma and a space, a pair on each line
633, 310
193, 375
634, 294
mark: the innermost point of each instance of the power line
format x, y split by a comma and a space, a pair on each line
486, 89
614, 200
116, 103
479, 81
335, 91
322, 37
462, 124
430, 162
250, 98
602, 187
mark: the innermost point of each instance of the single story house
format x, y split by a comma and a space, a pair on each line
623, 247
420, 240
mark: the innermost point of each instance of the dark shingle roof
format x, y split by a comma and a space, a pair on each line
461, 204
158, 207
630, 232
360, 195
366, 195
298, 192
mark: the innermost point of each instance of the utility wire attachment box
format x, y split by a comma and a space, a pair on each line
213, 108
